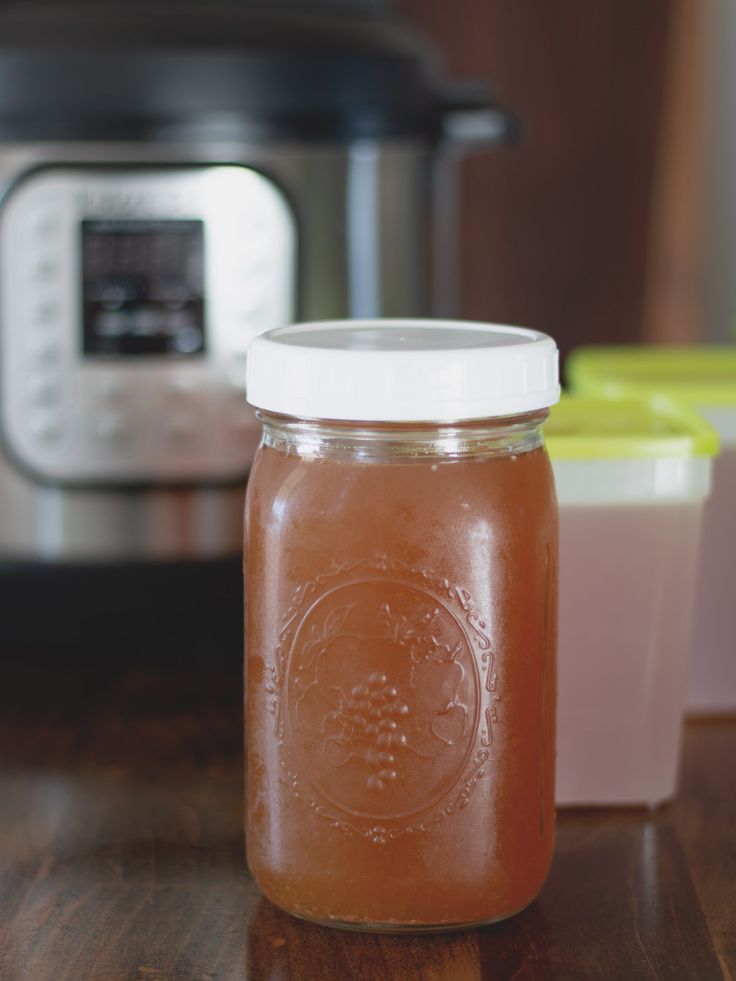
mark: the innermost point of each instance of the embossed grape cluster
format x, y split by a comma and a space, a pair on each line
374, 710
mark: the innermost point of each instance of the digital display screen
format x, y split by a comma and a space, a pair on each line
143, 287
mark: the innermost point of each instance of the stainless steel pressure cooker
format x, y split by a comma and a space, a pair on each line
174, 178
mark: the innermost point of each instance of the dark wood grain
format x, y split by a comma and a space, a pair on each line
555, 231
704, 818
121, 854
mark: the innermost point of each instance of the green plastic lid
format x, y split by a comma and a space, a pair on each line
587, 428
702, 376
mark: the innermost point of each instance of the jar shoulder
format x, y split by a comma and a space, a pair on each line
285, 487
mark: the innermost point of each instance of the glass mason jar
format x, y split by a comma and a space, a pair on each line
401, 591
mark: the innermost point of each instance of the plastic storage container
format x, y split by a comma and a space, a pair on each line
401, 579
631, 480
703, 378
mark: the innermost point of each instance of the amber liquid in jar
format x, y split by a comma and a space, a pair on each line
401, 603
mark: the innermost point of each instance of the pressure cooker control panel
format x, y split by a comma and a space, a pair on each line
128, 298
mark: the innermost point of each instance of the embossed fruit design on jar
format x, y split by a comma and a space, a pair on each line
401, 589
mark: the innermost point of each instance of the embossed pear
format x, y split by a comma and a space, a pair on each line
450, 726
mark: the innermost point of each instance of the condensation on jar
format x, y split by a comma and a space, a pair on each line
401, 602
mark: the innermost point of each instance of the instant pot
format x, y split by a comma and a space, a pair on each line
175, 178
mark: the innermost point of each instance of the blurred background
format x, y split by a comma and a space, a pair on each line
178, 177
610, 219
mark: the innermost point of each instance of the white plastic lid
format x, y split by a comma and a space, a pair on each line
402, 370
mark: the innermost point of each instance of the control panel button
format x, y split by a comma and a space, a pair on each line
46, 428
44, 267
45, 390
44, 351
44, 313
45, 221
112, 426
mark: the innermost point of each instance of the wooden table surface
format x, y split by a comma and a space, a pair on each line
121, 854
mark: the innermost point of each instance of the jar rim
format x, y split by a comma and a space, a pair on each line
408, 441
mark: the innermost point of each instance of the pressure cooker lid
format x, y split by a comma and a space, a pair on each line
303, 69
